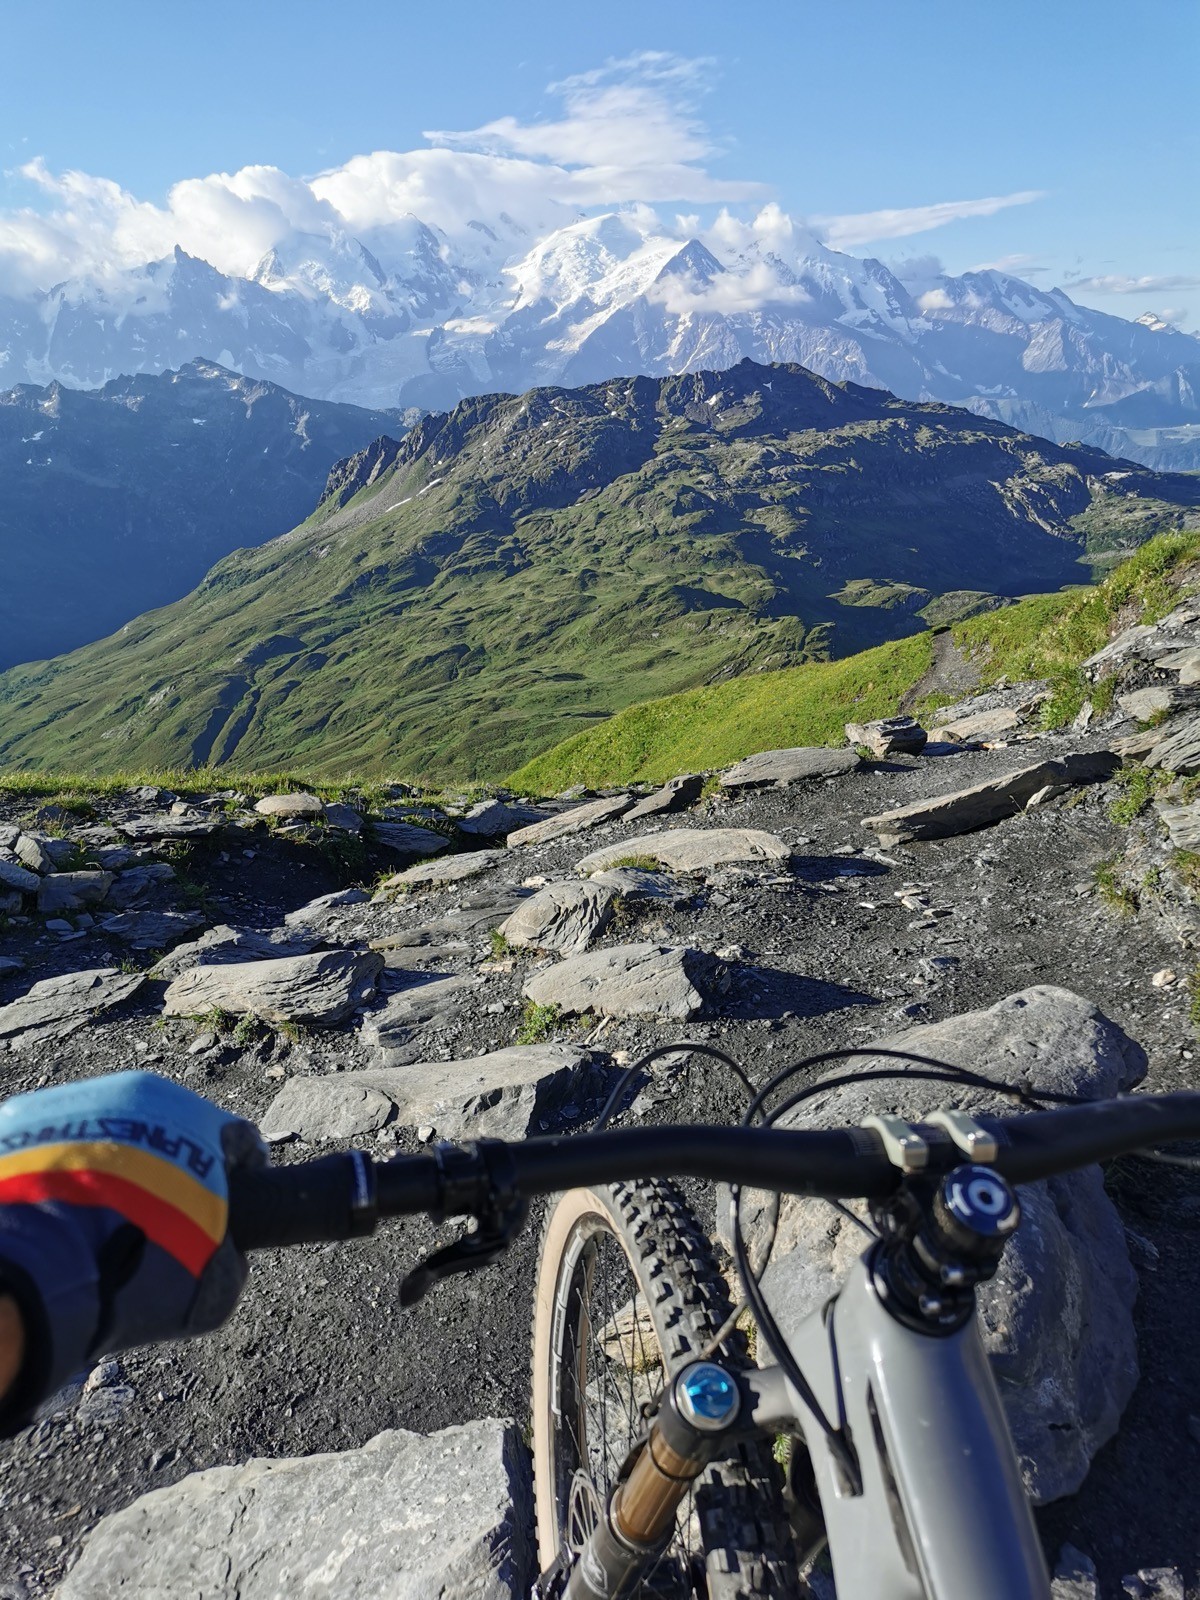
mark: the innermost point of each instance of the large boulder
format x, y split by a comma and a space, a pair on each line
576, 820
630, 980
789, 766
689, 850
450, 869
318, 990
890, 736
975, 727
298, 807
508, 1094
57, 1007
493, 819
563, 916
408, 1516
388, 1033
1057, 1319
676, 795
67, 892
966, 809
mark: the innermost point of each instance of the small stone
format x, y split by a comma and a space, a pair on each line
890, 736
59, 925
201, 1043
344, 818
299, 805
1164, 978
425, 1132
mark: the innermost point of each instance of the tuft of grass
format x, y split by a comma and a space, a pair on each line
1104, 692
537, 1023
1068, 692
500, 945
641, 863
1193, 990
1186, 866
1113, 891
1138, 785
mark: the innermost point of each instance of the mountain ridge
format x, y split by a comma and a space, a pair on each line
524, 565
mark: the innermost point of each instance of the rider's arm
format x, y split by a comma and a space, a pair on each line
113, 1226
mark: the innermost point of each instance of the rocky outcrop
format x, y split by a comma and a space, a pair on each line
565, 917
450, 869
677, 795
57, 1007
316, 991
890, 736
690, 849
576, 820
788, 766
630, 980
353, 1525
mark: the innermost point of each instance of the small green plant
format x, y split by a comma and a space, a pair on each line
1137, 786
1068, 692
712, 786
1112, 891
1186, 866
781, 1450
1103, 694
215, 1020
639, 863
248, 1030
537, 1023
1151, 880
500, 945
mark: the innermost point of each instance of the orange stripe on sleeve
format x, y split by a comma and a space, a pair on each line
153, 1174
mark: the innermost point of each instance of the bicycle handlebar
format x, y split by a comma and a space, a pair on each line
341, 1196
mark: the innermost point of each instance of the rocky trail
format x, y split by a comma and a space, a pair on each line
426, 971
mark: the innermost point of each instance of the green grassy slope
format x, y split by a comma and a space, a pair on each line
1044, 636
519, 570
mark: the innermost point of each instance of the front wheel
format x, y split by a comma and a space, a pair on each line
628, 1291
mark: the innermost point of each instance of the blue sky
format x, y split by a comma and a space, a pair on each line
857, 110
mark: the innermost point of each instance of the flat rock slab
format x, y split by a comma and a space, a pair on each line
1142, 704
691, 849
495, 819
983, 803
676, 795
407, 839
1178, 747
563, 916
576, 820
58, 1007
630, 980
1057, 1319
164, 827
136, 883
72, 891
1185, 662
408, 1516
14, 876
637, 883
318, 990
301, 806
1142, 642
977, 726
1183, 825
32, 853
889, 736
507, 1094
450, 869
389, 1032
344, 818
224, 944
317, 913
151, 930
789, 766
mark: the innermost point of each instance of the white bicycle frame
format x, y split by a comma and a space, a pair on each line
942, 1513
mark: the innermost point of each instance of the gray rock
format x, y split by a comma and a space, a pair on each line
1074, 1576
507, 1094
408, 1516
300, 806
1057, 1319
1142, 704
1136, 746
31, 853
676, 795
1185, 662
576, 820
58, 1007
221, 945
10, 902
72, 891
136, 883
983, 803
630, 980
1183, 825
636, 883
495, 819
690, 849
1178, 746
1143, 642
318, 990
344, 818
789, 766
9, 834
890, 736
15, 876
407, 839
316, 913
389, 1032
563, 916
113, 858
450, 869
1019, 697
9, 965
1154, 1583
978, 726
151, 930
198, 826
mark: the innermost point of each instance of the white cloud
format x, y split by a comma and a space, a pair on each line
844, 232
1021, 266
1120, 283
934, 300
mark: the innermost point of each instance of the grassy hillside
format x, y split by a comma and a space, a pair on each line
519, 570
1044, 636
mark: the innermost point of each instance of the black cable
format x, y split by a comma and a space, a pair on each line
693, 1046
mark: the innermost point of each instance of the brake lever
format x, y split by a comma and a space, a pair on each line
499, 1218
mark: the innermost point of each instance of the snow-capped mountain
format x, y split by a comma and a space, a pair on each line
439, 318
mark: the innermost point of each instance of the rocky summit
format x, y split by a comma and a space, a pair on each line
1023, 903
519, 568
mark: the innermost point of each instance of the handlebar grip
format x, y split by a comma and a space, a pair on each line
308, 1203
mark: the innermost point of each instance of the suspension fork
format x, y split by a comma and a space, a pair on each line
698, 1412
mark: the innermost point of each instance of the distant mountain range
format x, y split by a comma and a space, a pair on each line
495, 309
520, 567
116, 500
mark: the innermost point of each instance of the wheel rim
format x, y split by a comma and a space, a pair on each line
607, 1371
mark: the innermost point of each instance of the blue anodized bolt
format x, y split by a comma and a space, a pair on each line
707, 1396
